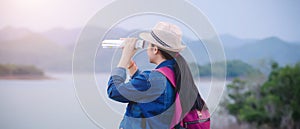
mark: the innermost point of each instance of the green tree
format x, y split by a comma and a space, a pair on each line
274, 104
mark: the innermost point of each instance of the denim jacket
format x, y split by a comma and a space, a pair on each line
148, 94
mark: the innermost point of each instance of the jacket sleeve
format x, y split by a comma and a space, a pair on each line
117, 79
142, 87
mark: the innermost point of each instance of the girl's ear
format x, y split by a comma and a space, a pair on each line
155, 50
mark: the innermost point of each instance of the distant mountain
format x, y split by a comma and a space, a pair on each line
61, 36
230, 41
12, 33
252, 51
34, 49
52, 50
267, 49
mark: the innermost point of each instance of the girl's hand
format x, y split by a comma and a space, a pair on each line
128, 51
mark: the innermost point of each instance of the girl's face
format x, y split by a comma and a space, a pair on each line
151, 52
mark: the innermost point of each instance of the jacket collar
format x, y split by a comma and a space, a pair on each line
166, 63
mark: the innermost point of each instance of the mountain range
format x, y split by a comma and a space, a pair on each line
52, 50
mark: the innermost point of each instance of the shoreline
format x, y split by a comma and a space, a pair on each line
217, 79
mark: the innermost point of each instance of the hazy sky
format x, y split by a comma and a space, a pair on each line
241, 18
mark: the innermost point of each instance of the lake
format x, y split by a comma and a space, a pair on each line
52, 104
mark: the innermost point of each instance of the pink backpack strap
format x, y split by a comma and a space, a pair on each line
178, 109
169, 74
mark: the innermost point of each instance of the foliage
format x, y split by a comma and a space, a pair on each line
274, 104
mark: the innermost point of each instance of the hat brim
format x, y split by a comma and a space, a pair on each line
148, 37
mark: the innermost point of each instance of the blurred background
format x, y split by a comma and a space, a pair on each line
260, 39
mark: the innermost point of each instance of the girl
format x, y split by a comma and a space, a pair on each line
151, 95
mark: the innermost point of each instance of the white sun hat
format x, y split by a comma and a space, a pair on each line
166, 36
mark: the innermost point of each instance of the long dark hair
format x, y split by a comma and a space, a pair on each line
185, 85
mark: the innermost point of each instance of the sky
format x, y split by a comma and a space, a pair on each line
254, 19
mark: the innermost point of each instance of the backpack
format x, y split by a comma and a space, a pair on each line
194, 119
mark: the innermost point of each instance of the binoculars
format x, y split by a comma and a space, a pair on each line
140, 44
